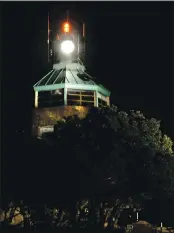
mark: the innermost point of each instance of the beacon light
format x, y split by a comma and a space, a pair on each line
67, 46
66, 27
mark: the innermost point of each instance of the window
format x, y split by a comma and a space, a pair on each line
101, 103
76, 97
51, 98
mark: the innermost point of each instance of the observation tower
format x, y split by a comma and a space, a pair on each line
67, 89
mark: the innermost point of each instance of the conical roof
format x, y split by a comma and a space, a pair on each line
70, 74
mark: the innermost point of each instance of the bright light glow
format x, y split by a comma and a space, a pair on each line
67, 46
105, 224
66, 27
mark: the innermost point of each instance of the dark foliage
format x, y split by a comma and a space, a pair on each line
109, 155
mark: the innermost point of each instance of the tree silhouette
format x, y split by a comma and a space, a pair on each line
108, 155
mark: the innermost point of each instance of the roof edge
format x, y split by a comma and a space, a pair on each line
103, 90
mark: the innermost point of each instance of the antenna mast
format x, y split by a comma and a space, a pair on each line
84, 39
67, 15
48, 41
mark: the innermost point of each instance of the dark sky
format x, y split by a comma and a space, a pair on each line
129, 51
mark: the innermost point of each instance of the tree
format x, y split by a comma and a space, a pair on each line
110, 155
124, 155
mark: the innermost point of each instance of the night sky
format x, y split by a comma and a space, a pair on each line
129, 51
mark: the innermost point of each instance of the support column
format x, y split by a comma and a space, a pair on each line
80, 98
36, 99
65, 95
95, 98
108, 100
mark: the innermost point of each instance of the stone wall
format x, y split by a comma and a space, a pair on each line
49, 116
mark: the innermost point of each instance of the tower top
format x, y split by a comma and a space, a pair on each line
67, 89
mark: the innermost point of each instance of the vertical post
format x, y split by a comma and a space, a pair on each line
83, 30
78, 50
48, 38
65, 95
108, 101
161, 227
84, 39
80, 98
67, 15
95, 99
36, 99
137, 217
